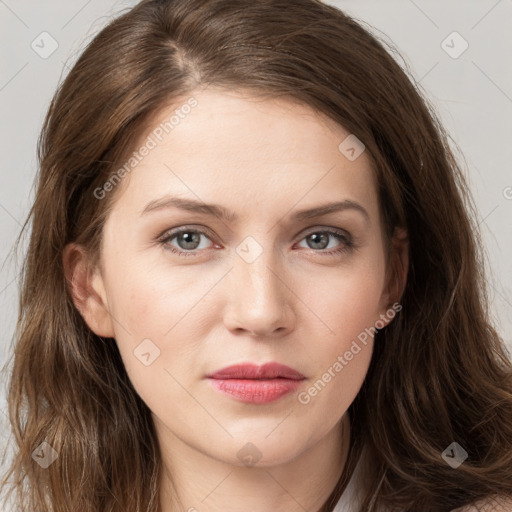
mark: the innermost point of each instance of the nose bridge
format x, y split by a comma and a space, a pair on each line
258, 295
256, 268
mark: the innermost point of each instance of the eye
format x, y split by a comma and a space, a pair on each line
188, 240
320, 240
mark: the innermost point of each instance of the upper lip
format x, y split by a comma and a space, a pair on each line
253, 371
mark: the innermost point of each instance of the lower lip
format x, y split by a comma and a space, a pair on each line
255, 391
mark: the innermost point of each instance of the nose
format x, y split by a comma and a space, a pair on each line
260, 301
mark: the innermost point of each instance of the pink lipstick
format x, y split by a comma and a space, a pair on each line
255, 384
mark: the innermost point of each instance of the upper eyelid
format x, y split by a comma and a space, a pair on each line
171, 233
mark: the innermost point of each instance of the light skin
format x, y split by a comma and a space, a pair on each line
263, 160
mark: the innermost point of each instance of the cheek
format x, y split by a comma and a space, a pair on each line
350, 308
342, 356
157, 325
350, 300
144, 300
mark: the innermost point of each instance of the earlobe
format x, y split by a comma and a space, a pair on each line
87, 290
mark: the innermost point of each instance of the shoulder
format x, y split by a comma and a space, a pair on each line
494, 504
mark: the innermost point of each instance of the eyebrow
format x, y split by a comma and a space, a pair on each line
192, 205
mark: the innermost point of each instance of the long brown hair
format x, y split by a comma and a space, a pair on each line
439, 372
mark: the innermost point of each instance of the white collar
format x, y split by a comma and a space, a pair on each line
350, 500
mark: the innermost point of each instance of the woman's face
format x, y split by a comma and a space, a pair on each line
269, 284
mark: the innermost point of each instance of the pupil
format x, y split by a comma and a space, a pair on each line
315, 238
190, 238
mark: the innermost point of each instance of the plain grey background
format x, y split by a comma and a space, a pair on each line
458, 50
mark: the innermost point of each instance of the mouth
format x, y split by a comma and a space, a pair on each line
255, 384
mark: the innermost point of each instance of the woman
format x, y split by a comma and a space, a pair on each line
185, 344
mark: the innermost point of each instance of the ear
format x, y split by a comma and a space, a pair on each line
397, 269
85, 284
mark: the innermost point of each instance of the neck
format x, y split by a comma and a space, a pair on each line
192, 481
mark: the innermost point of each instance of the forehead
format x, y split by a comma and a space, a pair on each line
247, 152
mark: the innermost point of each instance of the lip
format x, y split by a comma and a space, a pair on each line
255, 372
255, 384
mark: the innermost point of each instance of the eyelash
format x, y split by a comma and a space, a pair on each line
348, 244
